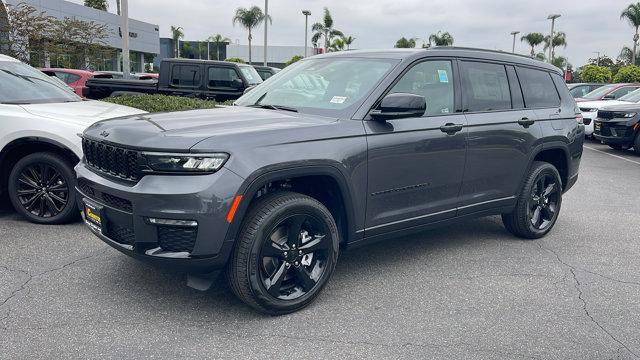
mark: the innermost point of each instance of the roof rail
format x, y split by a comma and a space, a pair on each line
479, 49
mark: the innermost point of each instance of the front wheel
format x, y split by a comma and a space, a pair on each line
41, 188
286, 253
538, 204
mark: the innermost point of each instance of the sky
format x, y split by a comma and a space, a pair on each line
590, 25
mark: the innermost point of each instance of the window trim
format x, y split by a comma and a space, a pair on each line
171, 84
224, 87
456, 85
464, 99
550, 78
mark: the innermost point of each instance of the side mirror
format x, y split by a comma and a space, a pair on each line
400, 105
609, 97
237, 84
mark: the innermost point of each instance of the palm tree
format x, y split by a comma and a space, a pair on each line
176, 34
249, 19
559, 39
632, 15
626, 55
560, 62
441, 39
337, 44
219, 40
405, 43
541, 56
533, 39
324, 29
348, 40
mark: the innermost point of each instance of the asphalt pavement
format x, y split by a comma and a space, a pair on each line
469, 291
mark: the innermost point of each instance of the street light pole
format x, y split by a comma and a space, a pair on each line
513, 47
126, 63
598, 58
553, 18
306, 14
266, 20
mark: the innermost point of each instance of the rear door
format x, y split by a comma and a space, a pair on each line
414, 166
500, 136
185, 80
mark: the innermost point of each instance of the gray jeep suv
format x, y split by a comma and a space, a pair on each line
336, 151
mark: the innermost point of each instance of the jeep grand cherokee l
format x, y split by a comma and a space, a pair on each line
335, 151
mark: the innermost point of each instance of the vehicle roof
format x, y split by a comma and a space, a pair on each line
200, 61
582, 84
71, 71
265, 67
8, 58
416, 53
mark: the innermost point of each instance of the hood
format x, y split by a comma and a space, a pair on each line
597, 104
180, 131
629, 107
82, 113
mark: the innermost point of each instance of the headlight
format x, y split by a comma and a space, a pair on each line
197, 163
628, 115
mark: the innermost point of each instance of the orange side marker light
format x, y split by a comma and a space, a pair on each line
234, 207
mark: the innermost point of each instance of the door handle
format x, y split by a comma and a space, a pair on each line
526, 122
450, 128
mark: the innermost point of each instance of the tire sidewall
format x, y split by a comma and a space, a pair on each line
543, 170
300, 206
66, 171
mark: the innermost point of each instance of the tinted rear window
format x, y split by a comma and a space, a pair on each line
538, 88
486, 87
185, 75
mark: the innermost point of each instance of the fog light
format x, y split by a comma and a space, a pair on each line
172, 222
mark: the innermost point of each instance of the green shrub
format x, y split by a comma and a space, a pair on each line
235, 60
627, 74
161, 103
596, 74
295, 58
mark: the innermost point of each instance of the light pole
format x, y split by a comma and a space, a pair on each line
306, 14
513, 47
553, 18
598, 58
266, 18
126, 63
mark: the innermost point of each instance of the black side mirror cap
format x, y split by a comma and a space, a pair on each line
398, 106
238, 84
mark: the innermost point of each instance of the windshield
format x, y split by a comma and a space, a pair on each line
599, 92
633, 96
252, 76
324, 85
22, 84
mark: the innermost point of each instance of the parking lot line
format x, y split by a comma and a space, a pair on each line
615, 156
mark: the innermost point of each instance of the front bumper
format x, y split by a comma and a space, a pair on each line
614, 133
125, 211
589, 118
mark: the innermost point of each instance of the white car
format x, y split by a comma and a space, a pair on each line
39, 145
589, 109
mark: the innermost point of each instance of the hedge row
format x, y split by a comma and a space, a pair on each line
161, 103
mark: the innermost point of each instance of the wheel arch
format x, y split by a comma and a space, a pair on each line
18, 148
301, 178
556, 155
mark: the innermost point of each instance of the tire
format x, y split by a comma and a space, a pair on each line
54, 203
248, 269
615, 147
636, 144
523, 221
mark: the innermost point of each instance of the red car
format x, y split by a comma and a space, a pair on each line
74, 78
609, 92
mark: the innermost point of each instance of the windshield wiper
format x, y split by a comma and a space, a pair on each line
273, 107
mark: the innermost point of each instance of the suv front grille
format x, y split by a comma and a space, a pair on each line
177, 239
112, 160
603, 114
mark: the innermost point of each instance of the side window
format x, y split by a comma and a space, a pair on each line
222, 77
71, 78
485, 86
62, 76
622, 92
517, 101
538, 88
185, 75
432, 79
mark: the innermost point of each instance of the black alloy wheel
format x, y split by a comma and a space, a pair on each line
294, 256
538, 204
285, 254
41, 188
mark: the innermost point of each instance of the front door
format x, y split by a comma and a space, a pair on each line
415, 165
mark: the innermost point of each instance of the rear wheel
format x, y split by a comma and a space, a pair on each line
285, 255
538, 204
41, 188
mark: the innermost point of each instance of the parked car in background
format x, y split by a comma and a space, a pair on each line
578, 90
76, 79
120, 75
39, 145
619, 126
589, 109
609, 92
204, 79
266, 72
376, 147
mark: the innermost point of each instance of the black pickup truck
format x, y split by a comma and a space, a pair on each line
218, 80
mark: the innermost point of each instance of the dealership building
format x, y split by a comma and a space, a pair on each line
144, 38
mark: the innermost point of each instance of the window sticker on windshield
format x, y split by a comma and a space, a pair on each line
445, 110
442, 75
338, 99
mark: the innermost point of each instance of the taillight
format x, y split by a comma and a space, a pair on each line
579, 118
